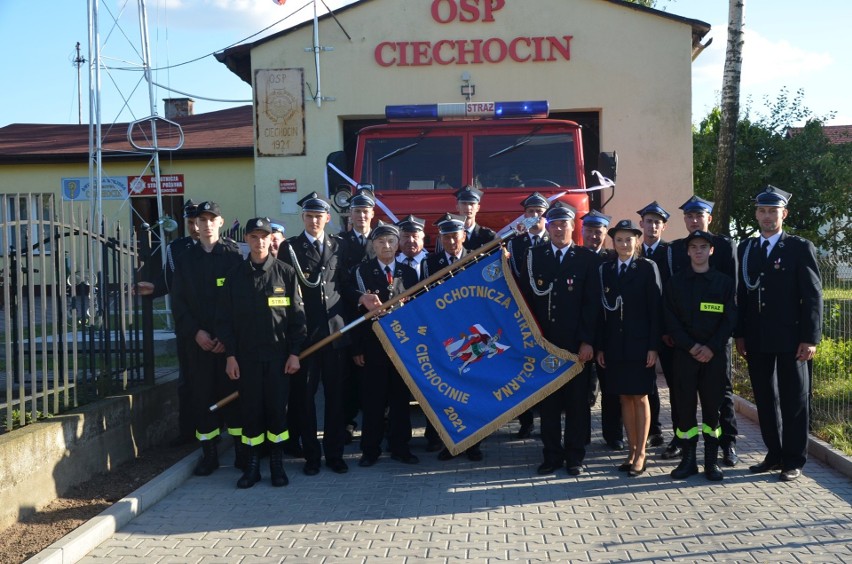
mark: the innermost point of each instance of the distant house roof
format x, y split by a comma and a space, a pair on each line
837, 134
222, 133
238, 58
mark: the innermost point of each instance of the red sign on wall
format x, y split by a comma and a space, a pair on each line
170, 185
286, 185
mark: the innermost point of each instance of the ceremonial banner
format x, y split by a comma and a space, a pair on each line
472, 354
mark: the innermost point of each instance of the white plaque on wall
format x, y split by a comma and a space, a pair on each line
280, 106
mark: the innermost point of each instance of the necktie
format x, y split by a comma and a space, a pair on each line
389, 275
318, 247
559, 256
452, 259
409, 261
765, 248
361, 240
622, 269
648, 251
534, 240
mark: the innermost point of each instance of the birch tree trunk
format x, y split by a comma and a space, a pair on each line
724, 184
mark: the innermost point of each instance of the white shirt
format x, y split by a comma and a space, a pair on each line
772, 241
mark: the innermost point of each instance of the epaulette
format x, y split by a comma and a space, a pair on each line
230, 244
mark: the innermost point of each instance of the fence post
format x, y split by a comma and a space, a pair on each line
147, 309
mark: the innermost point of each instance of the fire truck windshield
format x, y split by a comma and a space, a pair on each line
414, 161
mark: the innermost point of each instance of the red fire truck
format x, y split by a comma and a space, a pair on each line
417, 160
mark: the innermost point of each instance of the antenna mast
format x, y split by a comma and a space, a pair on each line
78, 62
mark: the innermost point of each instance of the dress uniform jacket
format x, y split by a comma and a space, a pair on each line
435, 262
518, 247
660, 256
780, 299
354, 251
565, 300
633, 328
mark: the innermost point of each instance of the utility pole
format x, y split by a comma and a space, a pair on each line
78, 62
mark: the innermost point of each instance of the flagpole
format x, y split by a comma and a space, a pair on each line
440, 275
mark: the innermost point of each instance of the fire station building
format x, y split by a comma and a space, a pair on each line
620, 70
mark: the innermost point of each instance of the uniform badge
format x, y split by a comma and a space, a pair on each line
539, 282
606, 290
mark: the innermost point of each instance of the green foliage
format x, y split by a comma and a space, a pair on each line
832, 361
818, 173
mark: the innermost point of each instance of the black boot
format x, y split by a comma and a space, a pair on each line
688, 466
251, 474
276, 466
711, 463
240, 453
209, 459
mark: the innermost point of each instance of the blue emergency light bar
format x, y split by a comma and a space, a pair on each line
469, 110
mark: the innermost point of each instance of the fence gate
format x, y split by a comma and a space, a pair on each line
71, 325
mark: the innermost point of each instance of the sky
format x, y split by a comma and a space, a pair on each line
788, 44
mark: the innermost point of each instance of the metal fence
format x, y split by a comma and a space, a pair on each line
831, 387
71, 328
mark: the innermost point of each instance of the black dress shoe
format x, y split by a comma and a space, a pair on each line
367, 461
337, 465
633, 471
615, 445
474, 454
311, 468
445, 455
729, 455
765, 466
434, 447
791, 474
672, 451
524, 432
548, 468
656, 440
405, 458
574, 470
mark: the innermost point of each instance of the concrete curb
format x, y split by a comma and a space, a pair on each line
82, 540
817, 448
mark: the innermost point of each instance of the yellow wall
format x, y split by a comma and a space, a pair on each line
632, 67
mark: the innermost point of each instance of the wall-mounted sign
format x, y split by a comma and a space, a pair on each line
286, 185
79, 188
475, 51
170, 185
280, 107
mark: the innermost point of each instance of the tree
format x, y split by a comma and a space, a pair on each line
818, 173
726, 151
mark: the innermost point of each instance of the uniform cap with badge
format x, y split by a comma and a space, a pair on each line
208, 207
624, 225
772, 197
560, 211
190, 209
411, 224
312, 202
364, 197
535, 200
259, 224
383, 228
277, 226
449, 223
596, 219
656, 209
696, 204
698, 234
469, 194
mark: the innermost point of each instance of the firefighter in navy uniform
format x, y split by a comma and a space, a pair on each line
563, 292
162, 286
198, 280
595, 225
535, 205
780, 300
375, 282
700, 315
697, 215
468, 200
452, 237
321, 271
261, 322
411, 240
653, 223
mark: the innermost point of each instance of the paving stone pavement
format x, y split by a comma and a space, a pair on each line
498, 509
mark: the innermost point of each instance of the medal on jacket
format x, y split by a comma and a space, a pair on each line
570, 284
777, 264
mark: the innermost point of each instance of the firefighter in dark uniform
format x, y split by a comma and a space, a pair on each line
700, 315
564, 294
595, 225
198, 280
630, 336
653, 223
535, 205
377, 281
262, 325
697, 215
320, 268
162, 286
780, 323
411, 240
452, 237
468, 200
